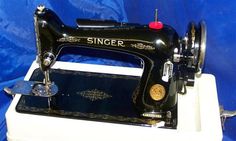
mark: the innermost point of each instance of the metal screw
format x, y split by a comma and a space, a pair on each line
168, 114
40, 8
47, 61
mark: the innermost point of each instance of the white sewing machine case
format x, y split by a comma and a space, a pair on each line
198, 114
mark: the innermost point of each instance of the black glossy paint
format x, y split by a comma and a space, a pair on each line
52, 35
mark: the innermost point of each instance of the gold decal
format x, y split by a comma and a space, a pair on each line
69, 39
90, 40
152, 115
100, 41
107, 42
113, 42
157, 92
142, 46
120, 43
94, 94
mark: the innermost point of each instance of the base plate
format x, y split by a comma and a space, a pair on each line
198, 115
89, 96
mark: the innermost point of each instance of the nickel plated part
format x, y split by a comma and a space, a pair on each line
40, 8
32, 88
202, 48
156, 15
48, 59
224, 114
47, 87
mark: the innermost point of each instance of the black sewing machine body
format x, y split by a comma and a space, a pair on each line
168, 61
153, 47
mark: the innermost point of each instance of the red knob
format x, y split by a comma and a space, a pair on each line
156, 25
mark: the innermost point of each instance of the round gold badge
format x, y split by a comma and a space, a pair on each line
157, 92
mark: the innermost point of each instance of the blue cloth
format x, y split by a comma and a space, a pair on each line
17, 38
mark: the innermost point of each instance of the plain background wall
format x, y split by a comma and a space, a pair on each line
17, 41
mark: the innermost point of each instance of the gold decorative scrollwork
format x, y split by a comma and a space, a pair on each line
69, 39
46, 111
142, 46
94, 95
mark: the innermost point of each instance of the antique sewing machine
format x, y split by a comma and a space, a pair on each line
169, 62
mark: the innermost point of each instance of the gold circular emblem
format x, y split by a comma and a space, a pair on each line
157, 92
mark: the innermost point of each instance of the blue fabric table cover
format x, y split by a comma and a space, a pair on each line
17, 38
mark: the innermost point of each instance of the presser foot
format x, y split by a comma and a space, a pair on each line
32, 88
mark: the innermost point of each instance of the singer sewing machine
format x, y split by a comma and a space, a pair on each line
147, 96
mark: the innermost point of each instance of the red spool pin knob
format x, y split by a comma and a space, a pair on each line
156, 24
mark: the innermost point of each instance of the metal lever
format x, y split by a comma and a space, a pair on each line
224, 114
167, 71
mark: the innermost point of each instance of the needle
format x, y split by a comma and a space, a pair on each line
47, 86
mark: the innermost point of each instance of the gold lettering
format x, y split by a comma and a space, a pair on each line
113, 42
120, 43
94, 40
107, 42
90, 40
100, 41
